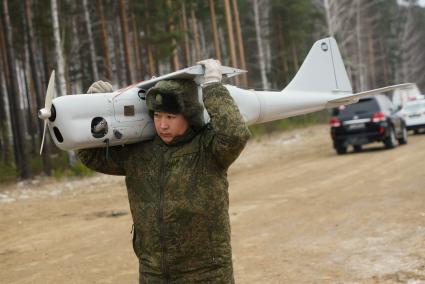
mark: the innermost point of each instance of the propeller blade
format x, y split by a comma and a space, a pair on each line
44, 136
49, 93
45, 113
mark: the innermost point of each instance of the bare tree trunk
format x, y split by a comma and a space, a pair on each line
261, 56
104, 36
123, 18
295, 57
118, 60
242, 60
230, 33
30, 100
186, 50
371, 59
412, 51
21, 157
282, 48
91, 41
77, 86
195, 35
328, 18
385, 64
45, 63
39, 94
33, 51
202, 40
223, 47
60, 64
152, 64
175, 65
137, 49
4, 130
148, 45
362, 67
4, 139
58, 49
214, 30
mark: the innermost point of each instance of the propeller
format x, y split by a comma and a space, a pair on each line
45, 112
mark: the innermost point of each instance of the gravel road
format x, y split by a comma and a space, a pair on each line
299, 214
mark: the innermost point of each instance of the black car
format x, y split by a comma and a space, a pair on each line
372, 119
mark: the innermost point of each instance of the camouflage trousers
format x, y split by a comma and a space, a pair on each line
219, 275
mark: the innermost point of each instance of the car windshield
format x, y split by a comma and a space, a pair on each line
367, 105
415, 107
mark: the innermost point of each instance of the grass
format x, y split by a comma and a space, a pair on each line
8, 173
60, 168
289, 123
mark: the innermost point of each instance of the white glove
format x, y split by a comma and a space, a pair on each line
212, 72
100, 87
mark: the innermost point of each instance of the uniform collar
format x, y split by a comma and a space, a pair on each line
178, 140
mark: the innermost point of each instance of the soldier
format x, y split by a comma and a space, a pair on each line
177, 182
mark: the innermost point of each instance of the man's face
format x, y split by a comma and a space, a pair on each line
169, 125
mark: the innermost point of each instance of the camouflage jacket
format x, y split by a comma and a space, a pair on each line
178, 195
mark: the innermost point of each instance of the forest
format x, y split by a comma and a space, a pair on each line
126, 41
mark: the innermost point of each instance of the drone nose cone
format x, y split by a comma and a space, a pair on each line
44, 113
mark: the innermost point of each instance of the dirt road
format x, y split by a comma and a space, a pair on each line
299, 214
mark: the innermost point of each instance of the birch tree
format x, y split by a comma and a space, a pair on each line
240, 42
75, 53
185, 29
260, 45
125, 38
230, 33
217, 50
16, 115
412, 43
59, 56
36, 79
91, 41
4, 129
104, 39
196, 55
60, 64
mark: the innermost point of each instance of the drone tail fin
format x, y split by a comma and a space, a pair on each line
322, 70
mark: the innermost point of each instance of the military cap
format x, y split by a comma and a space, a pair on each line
176, 96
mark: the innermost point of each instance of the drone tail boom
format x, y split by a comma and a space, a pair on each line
321, 78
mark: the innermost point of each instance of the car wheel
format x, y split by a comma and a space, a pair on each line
340, 150
357, 148
403, 139
391, 141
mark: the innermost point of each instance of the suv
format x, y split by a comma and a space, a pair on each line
414, 114
372, 119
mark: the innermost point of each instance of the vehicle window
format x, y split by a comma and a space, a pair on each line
415, 107
363, 106
387, 103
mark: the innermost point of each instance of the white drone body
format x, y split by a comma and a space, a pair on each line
121, 117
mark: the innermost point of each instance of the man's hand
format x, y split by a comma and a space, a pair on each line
212, 71
100, 87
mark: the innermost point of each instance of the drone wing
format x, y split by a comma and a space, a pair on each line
193, 73
355, 97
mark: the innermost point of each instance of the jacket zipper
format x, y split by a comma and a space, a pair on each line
161, 219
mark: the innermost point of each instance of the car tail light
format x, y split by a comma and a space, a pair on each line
378, 117
381, 130
335, 122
